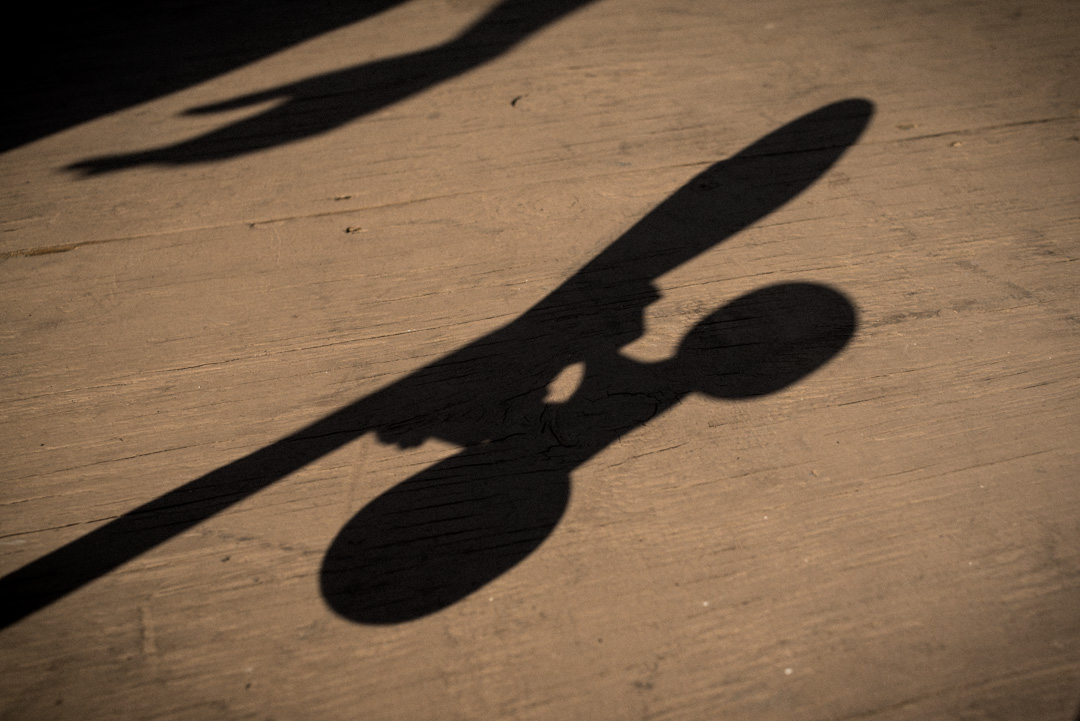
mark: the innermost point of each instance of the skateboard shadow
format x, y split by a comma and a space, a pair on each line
324, 102
446, 532
438, 536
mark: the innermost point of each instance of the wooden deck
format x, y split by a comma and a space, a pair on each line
455, 359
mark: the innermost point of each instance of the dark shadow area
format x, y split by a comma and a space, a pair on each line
445, 532
324, 102
85, 60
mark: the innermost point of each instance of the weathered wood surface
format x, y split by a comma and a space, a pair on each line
896, 536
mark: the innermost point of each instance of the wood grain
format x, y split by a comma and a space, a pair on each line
894, 537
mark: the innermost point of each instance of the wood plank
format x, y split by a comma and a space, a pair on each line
893, 537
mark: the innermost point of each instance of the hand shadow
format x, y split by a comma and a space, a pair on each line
94, 59
487, 397
324, 102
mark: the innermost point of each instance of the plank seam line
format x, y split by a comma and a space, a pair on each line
1003, 126
65, 247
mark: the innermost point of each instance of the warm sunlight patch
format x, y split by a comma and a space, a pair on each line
565, 385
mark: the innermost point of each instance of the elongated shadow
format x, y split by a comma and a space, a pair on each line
324, 102
488, 398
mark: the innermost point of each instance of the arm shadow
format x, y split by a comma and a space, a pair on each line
324, 102
86, 60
